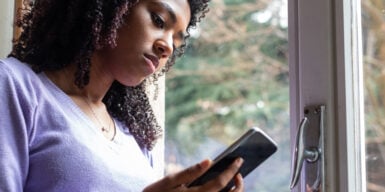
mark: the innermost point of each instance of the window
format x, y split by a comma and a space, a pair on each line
234, 75
373, 40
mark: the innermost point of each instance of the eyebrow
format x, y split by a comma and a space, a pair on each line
171, 13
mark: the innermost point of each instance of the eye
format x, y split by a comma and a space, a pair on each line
157, 20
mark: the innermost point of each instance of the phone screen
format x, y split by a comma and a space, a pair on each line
254, 147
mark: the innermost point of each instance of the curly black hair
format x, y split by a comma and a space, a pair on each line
56, 33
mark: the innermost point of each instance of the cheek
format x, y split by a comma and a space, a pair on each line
134, 42
134, 30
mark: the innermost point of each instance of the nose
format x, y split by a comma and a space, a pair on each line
164, 46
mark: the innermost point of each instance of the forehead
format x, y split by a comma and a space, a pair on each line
179, 8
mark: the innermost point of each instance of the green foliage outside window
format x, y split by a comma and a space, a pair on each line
234, 75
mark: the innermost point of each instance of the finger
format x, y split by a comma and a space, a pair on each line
224, 178
238, 182
190, 174
308, 189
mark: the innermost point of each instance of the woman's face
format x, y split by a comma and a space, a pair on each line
151, 32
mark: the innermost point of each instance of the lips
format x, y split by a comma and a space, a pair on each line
154, 60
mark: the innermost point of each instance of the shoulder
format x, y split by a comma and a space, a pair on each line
13, 68
18, 81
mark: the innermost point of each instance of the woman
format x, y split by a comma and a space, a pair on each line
75, 116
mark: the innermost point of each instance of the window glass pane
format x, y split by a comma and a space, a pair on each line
373, 37
234, 75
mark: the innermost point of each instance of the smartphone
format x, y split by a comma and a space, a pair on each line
254, 146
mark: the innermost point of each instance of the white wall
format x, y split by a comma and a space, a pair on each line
158, 105
6, 26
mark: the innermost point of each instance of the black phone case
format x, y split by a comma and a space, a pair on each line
254, 148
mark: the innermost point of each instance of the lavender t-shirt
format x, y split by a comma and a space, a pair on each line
48, 144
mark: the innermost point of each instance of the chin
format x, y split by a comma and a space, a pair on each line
132, 82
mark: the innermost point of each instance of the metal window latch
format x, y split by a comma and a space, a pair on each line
309, 146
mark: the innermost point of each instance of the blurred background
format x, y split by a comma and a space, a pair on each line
233, 76
373, 42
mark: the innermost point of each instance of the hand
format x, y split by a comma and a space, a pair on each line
177, 182
312, 189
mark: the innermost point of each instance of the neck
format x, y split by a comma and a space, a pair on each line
94, 91
89, 99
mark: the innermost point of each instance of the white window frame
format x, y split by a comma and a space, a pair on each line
325, 68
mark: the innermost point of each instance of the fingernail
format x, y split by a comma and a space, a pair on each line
240, 176
205, 163
239, 161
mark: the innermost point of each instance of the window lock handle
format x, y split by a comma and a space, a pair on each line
309, 153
